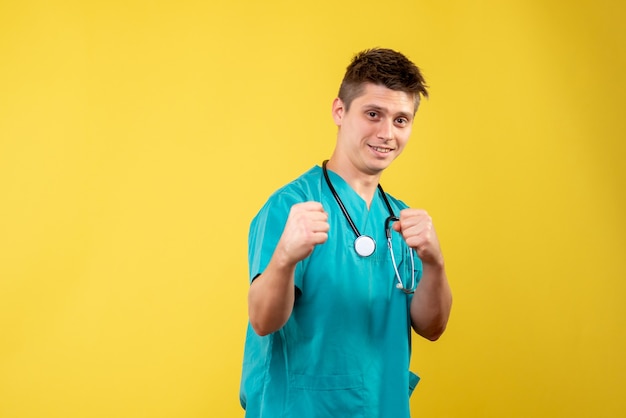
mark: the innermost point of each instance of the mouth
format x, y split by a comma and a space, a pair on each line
381, 150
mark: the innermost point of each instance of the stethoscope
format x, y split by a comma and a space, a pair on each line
364, 245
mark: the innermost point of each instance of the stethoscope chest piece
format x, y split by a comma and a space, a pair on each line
364, 245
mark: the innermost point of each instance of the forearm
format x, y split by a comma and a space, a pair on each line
271, 297
432, 302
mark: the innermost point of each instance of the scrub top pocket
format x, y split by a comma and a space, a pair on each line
326, 396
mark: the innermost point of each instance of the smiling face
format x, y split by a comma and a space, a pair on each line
374, 130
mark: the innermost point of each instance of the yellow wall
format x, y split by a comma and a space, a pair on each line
138, 138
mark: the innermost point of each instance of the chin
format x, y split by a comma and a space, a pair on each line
385, 161
378, 166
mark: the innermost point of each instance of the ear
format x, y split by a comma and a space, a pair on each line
338, 111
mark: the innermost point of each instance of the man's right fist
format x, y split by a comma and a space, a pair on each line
306, 227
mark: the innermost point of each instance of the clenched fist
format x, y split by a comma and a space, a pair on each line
417, 229
306, 227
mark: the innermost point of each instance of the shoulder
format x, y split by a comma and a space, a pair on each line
305, 187
302, 189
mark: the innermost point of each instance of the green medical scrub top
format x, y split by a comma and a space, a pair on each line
346, 348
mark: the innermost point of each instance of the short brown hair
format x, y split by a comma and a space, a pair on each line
384, 67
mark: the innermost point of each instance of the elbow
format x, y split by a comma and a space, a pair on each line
432, 334
259, 326
431, 330
267, 313
431, 325
261, 329
265, 324
435, 334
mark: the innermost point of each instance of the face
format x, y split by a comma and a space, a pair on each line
376, 128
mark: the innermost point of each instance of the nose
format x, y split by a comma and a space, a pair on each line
385, 130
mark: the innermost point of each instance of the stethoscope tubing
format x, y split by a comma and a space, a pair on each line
391, 218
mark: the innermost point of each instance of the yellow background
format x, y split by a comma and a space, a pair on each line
138, 139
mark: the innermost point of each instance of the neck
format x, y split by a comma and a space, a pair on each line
363, 184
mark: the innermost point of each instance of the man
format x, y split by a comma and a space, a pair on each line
332, 300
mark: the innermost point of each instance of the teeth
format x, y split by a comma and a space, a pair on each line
383, 150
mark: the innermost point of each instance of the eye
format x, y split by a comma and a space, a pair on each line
372, 114
402, 121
